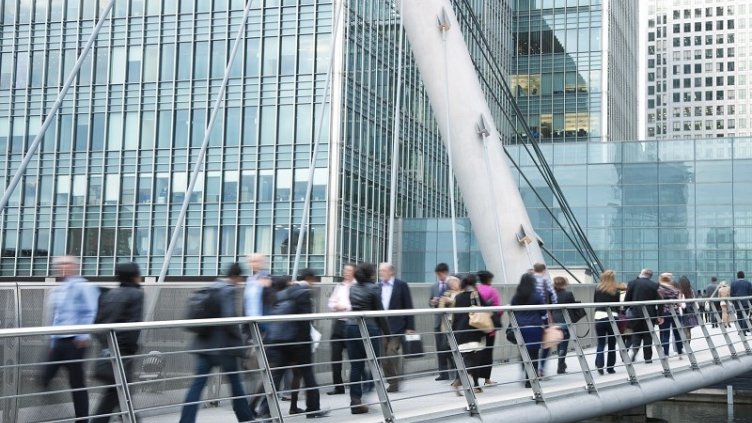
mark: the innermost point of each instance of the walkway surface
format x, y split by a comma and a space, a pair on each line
424, 399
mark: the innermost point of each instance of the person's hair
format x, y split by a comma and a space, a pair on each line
560, 283
608, 282
714, 279
666, 277
485, 277
685, 286
451, 279
351, 265
525, 289
469, 280
441, 268
280, 282
233, 270
65, 260
646, 273
364, 272
539, 267
126, 272
740, 275
304, 274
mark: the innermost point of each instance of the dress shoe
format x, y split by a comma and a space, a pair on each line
296, 410
610, 371
392, 388
600, 372
442, 377
318, 414
357, 407
336, 391
528, 385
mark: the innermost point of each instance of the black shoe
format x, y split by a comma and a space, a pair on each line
442, 377
610, 371
600, 372
336, 391
357, 407
318, 414
648, 361
528, 385
392, 388
296, 410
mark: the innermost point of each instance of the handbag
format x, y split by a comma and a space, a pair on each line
103, 371
510, 335
480, 320
552, 336
577, 314
413, 346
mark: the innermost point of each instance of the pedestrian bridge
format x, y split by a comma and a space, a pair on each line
156, 390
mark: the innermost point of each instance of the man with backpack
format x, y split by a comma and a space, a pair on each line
124, 304
73, 302
289, 342
219, 346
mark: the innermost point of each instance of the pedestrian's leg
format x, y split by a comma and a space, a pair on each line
77, 381
52, 366
295, 390
107, 404
204, 364
240, 405
601, 333
337, 346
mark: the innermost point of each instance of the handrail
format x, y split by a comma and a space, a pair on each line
188, 323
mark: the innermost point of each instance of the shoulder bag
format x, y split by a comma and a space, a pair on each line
480, 320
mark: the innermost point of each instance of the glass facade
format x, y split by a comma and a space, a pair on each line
110, 176
572, 65
674, 206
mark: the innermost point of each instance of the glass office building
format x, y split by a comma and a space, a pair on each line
110, 176
573, 70
679, 206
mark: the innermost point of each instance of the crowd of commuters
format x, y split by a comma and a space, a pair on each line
290, 344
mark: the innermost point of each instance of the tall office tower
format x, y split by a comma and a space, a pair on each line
109, 179
574, 69
697, 69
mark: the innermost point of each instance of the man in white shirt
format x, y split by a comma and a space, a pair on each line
339, 301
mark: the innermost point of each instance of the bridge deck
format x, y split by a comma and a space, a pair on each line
424, 399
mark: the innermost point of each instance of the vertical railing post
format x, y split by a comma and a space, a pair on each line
589, 382
532, 375
742, 327
462, 373
706, 333
121, 378
626, 358
376, 373
685, 342
270, 389
657, 342
724, 330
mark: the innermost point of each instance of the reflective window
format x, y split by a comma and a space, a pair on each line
118, 66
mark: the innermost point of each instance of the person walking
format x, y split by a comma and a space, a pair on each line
724, 292
471, 341
667, 291
258, 298
222, 347
564, 296
489, 296
124, 304
289, 343
73, 302
545, 288
395, 295
642, 289
530, 322
443, 353
339, 301
365, 295
689, 310
741, 288
607, 291
711, 291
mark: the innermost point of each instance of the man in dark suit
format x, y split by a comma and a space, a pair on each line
443, 354
395, 295
642, 289
741, 288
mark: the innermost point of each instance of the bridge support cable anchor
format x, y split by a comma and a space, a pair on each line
685, 342
532, 375
121, 378
376, 372
724, 330
34, 146
706, 334
467, 386
585, 368
482, 129
742, 328
270, 389
626, 358
657, 343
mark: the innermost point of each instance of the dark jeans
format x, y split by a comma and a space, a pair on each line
204, 364
484, 358
357, 351
534, 353
110, 400
605, 337
64, 349
338, 346
641, 336
296, 355
443, 353
668, 326
740, 317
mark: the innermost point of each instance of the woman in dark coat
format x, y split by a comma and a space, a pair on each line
529, 322
469, 339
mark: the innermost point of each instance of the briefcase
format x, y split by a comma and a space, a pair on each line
413, 346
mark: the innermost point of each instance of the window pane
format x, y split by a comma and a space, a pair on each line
131, 131
185, 53
268, 125
97, 132
200, 66
112, 189
271, 56
286, 124
232, 127
287, 56
115, 132
151, 63
165, 125
250, 126
252, 57
167, 62
118, 65
147, 130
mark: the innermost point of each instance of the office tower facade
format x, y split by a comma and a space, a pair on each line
114, 167
573, 70
697, 69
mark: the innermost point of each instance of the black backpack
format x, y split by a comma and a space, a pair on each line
204, 303
286, 304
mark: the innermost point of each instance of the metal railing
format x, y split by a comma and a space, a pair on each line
584, 373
